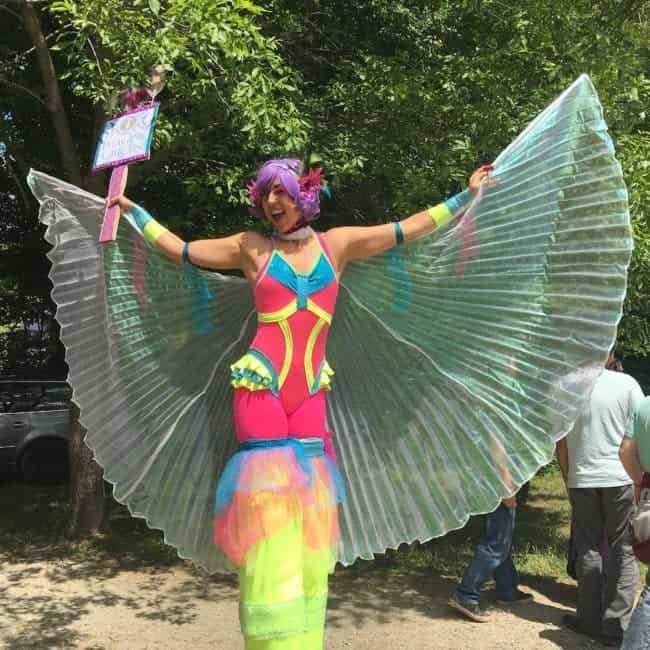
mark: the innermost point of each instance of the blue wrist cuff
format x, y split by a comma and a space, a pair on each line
140, 215
399, 234
186, 252
456, 203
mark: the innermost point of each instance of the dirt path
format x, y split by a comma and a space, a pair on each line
92, 606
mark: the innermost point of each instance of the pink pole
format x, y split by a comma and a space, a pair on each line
112, 214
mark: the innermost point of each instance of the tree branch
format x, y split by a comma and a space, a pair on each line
4, 80
21, 190
11, 13
92, 47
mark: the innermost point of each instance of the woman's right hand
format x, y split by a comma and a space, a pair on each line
121, 200
480, 176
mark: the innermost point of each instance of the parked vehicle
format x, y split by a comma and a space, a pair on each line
34, 429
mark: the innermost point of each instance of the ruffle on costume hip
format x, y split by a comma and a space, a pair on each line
255, 372
270, 484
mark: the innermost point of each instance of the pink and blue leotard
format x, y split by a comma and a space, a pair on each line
279, 407
280, 382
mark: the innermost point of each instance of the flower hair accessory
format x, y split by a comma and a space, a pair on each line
311, 183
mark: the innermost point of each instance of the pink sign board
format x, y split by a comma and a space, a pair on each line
125, 138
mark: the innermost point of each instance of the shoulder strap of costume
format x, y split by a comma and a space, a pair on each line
321, 241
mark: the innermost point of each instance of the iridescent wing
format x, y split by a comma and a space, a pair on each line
462, 357
148, 345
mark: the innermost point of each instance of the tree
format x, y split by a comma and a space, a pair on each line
406, 97
398, 99
224, 71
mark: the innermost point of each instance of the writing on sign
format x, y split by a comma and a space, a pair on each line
126, 137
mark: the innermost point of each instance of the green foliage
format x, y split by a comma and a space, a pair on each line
399, 100
229, 94
407, 98
634, 151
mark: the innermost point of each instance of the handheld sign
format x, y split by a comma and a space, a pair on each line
125, 138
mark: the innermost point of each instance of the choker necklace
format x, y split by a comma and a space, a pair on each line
296, 235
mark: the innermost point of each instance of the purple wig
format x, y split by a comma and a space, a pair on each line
304, 189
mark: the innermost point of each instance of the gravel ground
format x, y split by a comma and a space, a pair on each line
93, 606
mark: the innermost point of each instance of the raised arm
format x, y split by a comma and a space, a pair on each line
351, 243
222, 253
562, 454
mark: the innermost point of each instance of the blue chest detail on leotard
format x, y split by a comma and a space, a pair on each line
303, 285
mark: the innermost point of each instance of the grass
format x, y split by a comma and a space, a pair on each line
540, 542
35, 517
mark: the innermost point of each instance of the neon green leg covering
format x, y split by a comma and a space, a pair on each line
312, 640
283, 596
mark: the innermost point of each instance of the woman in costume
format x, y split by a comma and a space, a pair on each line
276, 506
425, 337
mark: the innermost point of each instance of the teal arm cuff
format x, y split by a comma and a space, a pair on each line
399, 234
458, 202
186, 253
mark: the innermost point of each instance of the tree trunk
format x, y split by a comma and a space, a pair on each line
95, 182
67, 148
87, 496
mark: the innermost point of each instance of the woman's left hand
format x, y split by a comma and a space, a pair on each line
478, 177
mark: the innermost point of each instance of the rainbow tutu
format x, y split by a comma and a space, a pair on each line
269, 485
276, 518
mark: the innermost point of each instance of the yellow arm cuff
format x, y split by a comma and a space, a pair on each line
439, 214
153, 230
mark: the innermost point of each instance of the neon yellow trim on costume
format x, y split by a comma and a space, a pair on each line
153, 230
290, 309
311, 342
440, 214
280, 315
326, 375
319, 311
288, 352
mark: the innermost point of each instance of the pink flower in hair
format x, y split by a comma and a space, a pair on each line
253, 195
311, 182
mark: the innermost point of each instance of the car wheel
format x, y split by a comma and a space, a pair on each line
45, 461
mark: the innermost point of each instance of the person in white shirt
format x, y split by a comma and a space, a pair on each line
602, 499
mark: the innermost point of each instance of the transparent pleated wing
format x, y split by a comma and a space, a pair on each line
149, 352
461, 358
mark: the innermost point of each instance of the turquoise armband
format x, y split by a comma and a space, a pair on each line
458, 202
444, 212
186, 253
399, 233
151, 229
140, 216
